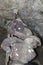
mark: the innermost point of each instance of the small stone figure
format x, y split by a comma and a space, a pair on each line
20, 43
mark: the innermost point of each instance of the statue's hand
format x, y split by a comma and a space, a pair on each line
33, 41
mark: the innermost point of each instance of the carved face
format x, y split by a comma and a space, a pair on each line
19, 27
16, 28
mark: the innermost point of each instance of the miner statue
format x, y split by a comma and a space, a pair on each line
20, 43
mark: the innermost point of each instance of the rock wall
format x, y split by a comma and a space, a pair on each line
7, 7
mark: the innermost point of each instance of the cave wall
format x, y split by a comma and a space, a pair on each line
7, 7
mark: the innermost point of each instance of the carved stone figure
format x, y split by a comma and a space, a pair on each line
20, 43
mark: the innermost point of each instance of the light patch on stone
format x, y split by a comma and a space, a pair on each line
17, 54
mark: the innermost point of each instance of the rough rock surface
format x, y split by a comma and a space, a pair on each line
7, 7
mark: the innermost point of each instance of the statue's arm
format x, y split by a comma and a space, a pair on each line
31, 39
6, 45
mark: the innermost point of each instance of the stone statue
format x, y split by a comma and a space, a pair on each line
20, 43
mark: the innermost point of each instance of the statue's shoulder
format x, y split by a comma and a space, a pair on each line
8, 41
27, 32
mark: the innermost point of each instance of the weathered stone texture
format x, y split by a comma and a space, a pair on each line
7, 6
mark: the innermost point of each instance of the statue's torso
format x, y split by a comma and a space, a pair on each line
21, 52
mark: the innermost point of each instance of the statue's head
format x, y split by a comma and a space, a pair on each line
16, 27
19, 26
